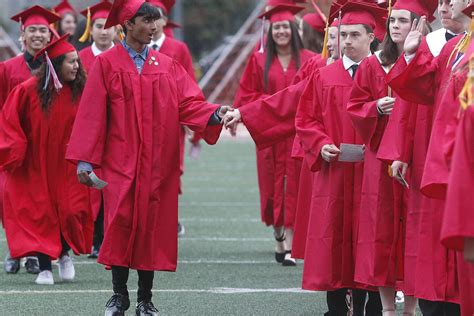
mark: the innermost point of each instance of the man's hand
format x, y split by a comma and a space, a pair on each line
231, 120
83, 177
385, 105
399, 168
223, 110
330, 152
413, 40
469, 249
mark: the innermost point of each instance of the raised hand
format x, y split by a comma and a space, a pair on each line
223, 110
413, 40
330, 152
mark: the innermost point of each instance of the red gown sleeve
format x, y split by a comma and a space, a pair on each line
251, 84
194, 111
13, 141
310, 123
3, 85
272, 119
419, 75
362, 108
88, 135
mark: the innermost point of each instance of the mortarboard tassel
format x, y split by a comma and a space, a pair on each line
325, 53
51, 73
87, 31
339, 35
466, 96
463, 44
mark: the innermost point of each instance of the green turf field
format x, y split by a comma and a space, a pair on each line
226, 257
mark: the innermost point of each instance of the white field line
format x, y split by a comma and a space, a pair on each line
220, 220
217, 290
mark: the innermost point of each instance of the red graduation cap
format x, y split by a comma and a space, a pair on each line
365, 13
35, 15
55, 49
315, 21
121, 11
283, 12
63, 8
419, 7
165, 5
100, 10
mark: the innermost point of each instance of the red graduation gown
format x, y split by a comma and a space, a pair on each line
322, 119
277, 172
435, 273
379, 257
458, 222
87, 58
42, 196
128, 125
12, 72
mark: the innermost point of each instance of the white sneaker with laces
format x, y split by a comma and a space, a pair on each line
66, 268
45, 278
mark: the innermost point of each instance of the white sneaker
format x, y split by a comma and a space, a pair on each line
66, 268
400, 298
45, 278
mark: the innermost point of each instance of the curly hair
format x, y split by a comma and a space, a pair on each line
47, 95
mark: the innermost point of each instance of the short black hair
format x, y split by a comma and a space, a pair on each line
145, 10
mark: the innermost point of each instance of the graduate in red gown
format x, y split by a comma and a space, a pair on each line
102, 39
323, 124
381, 236
435, 284
35, 35
46, 211
279, 111
127, 125
265, 74
68, 22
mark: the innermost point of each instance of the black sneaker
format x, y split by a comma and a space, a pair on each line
94, 254
11, 265
32, 265
117, 305
146, 308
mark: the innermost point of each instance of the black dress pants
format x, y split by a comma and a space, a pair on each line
145, 282
337, 305
45, 262
430, 308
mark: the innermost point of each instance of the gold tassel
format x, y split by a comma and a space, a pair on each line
463, 44
121, 34
389, 8
325, 53
87, 31
466, 96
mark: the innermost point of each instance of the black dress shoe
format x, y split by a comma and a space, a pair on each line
32, 265
94, 254
145, 308
11, 265
117, 305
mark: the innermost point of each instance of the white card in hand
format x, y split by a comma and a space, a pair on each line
351, 153
98, 183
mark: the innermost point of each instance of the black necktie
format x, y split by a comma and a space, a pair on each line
154, 46
354, 70
449, 36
